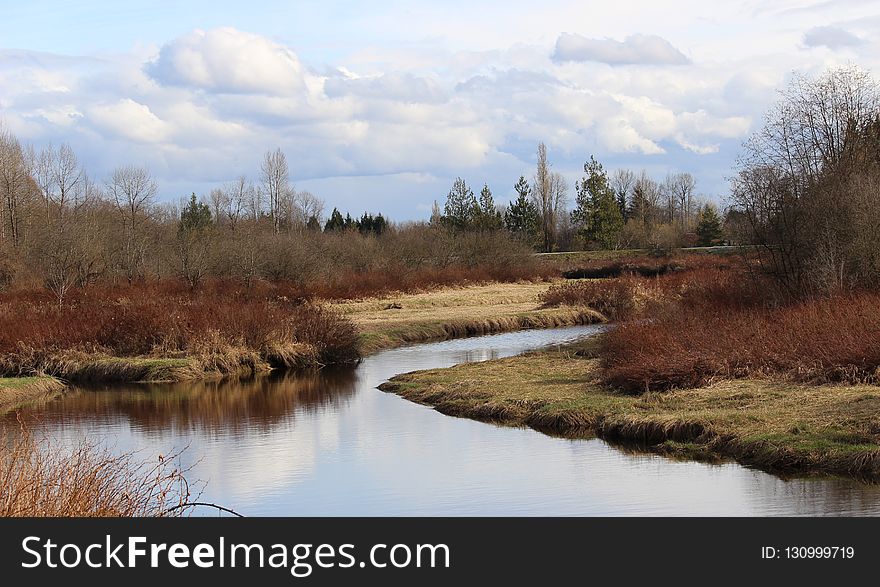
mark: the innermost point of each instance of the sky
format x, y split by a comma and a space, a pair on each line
379, 106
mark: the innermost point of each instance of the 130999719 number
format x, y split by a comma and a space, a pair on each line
808, 552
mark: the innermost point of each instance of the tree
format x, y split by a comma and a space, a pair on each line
522, 217
597, 214
679, 191
335, 222
16, 186
276, 184
461, 206
549, 192
798, 180
193, 246
709, 231
313, 224
487, 216
622, 183
132, 191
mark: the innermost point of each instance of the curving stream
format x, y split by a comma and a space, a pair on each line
331, 444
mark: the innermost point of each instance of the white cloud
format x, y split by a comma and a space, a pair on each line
634, 50
203, 107
229, 60
129, 120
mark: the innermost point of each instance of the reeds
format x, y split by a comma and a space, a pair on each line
38, 478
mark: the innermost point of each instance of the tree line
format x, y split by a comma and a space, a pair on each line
622, 209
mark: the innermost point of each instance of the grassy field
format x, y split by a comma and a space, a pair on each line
390, 321
779, 427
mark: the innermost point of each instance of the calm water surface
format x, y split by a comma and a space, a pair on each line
332, 444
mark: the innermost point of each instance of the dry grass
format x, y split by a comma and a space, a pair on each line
164, 331
777, 426
38, 479
453, 312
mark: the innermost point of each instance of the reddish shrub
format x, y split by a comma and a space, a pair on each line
822, 340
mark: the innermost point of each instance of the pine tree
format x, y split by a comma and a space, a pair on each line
335, 222
379, 224
313, 224
487, 217
522, 217
461, 206
195, 216
597, 214
709, 231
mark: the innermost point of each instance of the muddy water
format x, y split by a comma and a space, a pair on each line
332, 444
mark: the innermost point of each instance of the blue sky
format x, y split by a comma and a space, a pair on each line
380, 105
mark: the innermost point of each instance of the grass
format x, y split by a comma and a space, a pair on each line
393, 320
39, 479
776, 426
15, 391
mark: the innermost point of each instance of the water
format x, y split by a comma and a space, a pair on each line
332, 444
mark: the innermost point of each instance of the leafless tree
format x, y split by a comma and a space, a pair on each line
16, 185
132, 190
549, 192
794, 178
275, 176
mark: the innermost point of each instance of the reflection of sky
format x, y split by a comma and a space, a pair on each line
376, 454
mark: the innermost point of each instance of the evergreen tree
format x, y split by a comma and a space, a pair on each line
487, 217
522, 217
349, 223
313, 224
709, 232
379, 224
195, 216
335, 222
597, 214
461, 206
365, 224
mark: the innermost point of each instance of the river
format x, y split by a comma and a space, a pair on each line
330, 443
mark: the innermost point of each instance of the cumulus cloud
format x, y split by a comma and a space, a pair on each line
228, 60
130, 120
830, 36
203, 108
634, 50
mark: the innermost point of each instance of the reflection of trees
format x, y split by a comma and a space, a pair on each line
231, 405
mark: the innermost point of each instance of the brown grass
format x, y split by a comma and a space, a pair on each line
167, 331
38, 479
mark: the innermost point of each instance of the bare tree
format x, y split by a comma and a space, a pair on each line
132, 190
275, 175
794, 180
16, 185
622, 182
679, 190
548, 191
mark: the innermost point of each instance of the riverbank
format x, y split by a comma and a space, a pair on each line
309, 336
779, 427
15, 391
390, 321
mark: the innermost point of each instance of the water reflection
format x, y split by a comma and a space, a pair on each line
233, 406
329, 443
